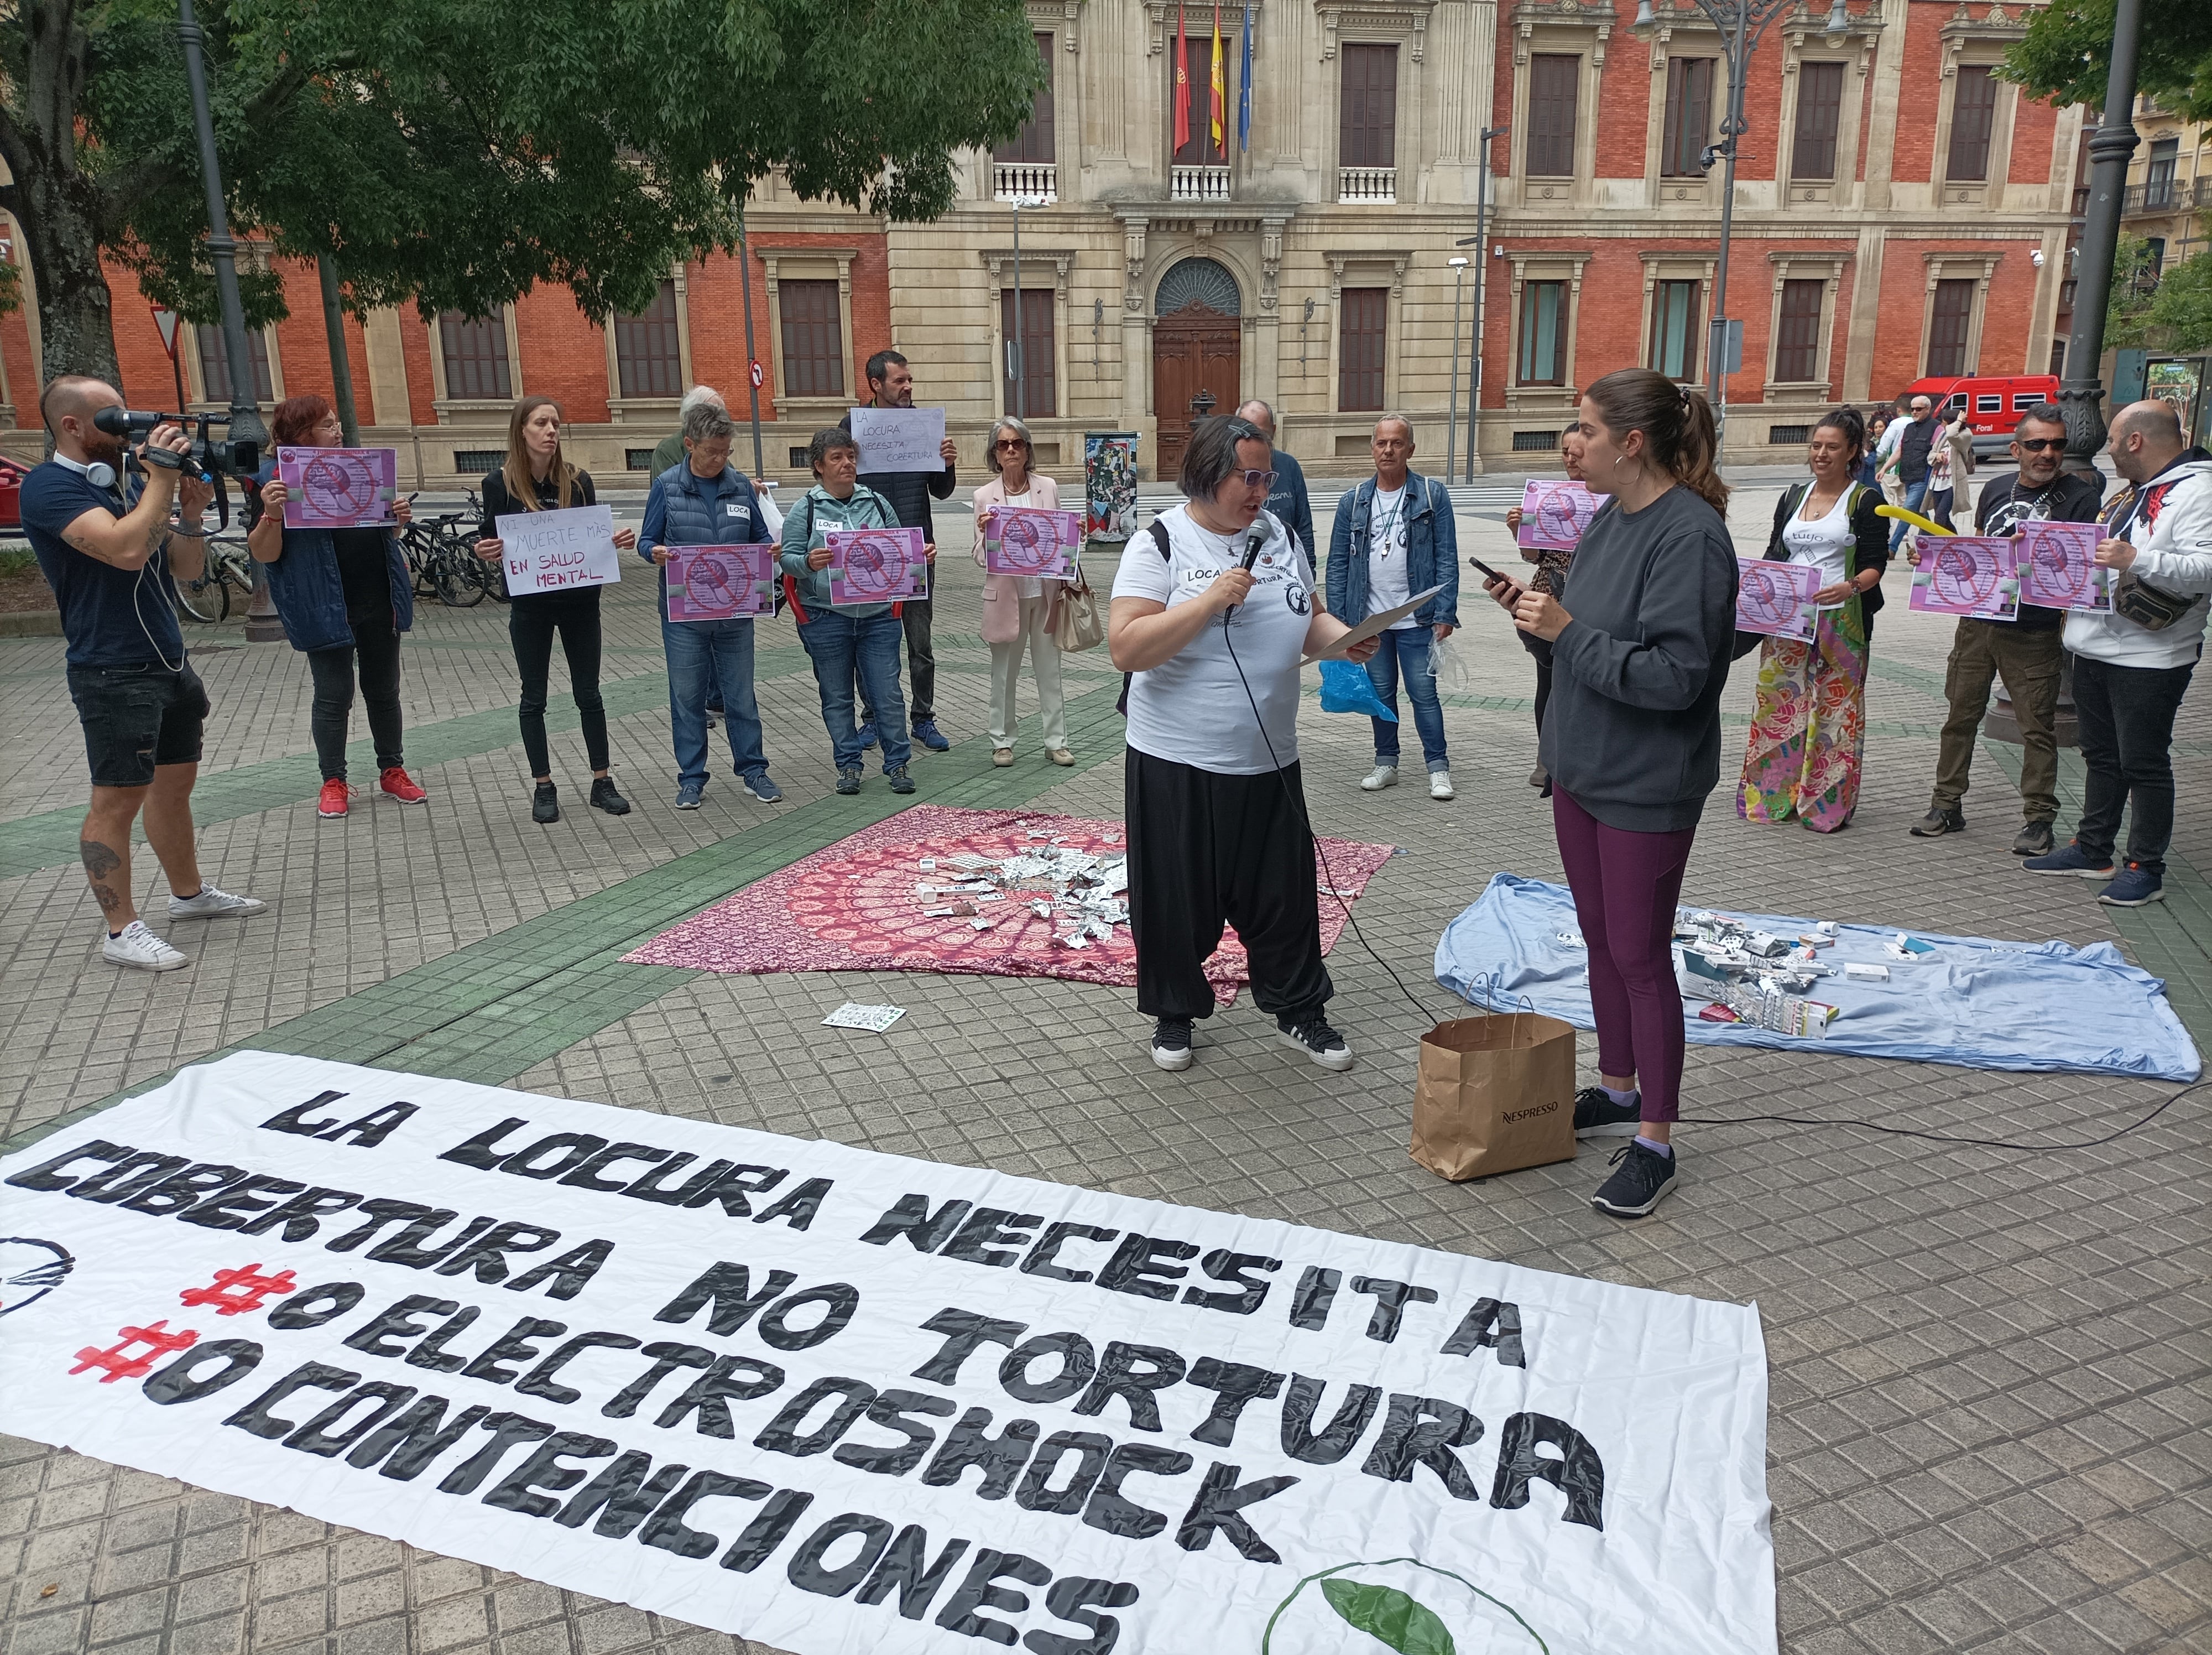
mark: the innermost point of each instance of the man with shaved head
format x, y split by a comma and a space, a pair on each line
2132, 664
110, 554
1288, 499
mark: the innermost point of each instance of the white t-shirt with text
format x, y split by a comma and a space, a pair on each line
1387, 583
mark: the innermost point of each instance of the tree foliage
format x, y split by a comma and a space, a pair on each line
2180, 319
2135, 285
2067, 54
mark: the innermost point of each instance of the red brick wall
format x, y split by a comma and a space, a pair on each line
414, 348
1624, 102
1912, 156
2034, 130
2007, 317
564, 355
23, 381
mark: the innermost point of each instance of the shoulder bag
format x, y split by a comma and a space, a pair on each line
1076, 624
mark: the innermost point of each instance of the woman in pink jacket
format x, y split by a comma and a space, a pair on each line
1018, 608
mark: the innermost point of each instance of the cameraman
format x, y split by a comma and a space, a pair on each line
109, 560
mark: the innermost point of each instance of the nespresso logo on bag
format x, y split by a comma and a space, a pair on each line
1529, 1114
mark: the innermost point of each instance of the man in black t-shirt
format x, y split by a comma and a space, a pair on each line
2027, 653
141, 705
1913, 444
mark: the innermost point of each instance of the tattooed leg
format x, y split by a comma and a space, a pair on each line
104, 846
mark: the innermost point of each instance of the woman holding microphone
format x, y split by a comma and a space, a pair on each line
1641, 625
345, 597
1018, 609
1213, 609
536, 478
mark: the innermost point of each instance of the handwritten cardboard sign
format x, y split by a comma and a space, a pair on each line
337, 488
1968, 574
1021, 540
2058, 567
899, 439
1554, 514
876, 566
1777, 599
721, 583
558, 551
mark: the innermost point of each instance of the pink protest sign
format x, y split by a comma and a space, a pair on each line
2058, 567
1020, 540
1554, 514
721, 583
1775, 598
876, 566
1968, 574
337, 488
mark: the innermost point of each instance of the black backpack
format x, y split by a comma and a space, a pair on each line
1159, 531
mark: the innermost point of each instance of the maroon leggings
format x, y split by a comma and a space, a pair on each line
1625, 886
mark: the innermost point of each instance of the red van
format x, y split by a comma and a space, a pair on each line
1994, 403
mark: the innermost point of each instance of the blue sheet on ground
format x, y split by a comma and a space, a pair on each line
1971, 1001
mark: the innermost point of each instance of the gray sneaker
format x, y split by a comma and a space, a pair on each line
2033, 840
1939, 822
211, 903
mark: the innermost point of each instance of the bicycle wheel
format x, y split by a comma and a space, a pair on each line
207, 599
490, 576
457, 588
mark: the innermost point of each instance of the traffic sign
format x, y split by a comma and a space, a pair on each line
760, 378
166, 320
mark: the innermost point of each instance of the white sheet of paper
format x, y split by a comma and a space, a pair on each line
899, 439
1373, 626
556, 551
853, 1015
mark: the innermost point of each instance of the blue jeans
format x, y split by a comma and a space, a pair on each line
842, 649
1408, 648
1914, 494
701, 652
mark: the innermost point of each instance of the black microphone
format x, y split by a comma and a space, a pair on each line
1251, 556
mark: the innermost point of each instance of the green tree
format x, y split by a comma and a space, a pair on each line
2067, 54
2135, 286
459, 152
2180, 319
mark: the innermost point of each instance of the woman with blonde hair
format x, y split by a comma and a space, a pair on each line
1018, 609
535, 478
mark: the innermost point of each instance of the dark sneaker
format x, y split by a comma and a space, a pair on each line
1313, 1036
867, 734
2135, 885
848, 780
2033, 840
1172, 1042
688, 793
545, 803
900, 780
1642, 1181
1597, 1116
762, 789
1937, 822
604, 797
926, 732
2070, 861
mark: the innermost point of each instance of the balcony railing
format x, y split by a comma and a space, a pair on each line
1369, 186
1025, 180
1198, 183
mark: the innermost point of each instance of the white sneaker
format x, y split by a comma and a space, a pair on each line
212, 903
140, 950
1440, 785
1381, 777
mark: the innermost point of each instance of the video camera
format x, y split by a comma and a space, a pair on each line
216, 459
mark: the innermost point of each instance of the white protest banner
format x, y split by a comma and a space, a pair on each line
841, 1402
554, 550
899, 439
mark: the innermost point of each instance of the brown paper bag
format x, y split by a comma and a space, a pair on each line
1495, 1093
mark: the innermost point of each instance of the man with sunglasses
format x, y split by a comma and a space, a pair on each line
2027, 653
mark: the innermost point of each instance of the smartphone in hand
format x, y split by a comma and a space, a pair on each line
1490, 574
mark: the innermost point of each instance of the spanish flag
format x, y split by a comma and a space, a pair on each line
1182, 83
1220, 83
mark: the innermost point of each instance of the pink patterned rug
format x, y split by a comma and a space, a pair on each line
851, 907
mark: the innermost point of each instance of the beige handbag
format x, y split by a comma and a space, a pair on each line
1075, 621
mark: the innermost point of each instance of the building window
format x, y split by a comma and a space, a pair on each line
1034, 336
1674, 329
1689, 116
1359, 363
1554, 83
647, 360
2153, 264
1950, 317
1367, 131
1543, 335
813, 342
1820, 110
1190, 108
1974, 113
215, 364
1798, 335
1034, 142
2158, 181
476, 357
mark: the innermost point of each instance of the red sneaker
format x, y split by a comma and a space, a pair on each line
403, 787
332, 799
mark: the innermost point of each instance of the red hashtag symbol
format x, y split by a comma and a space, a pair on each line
121, 1366
237, 1291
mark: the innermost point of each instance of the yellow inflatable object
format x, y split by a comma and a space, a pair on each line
1922, 524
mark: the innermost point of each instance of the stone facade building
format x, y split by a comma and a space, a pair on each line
1899, 210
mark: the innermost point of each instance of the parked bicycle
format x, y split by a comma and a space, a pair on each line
227, 569
439, 559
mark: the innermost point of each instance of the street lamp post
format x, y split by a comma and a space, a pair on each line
2082, 390
1458, 265
1489, 135
752, 357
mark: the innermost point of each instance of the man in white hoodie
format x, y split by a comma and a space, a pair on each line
2132, 666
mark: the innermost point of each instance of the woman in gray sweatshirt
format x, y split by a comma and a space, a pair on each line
1641, 628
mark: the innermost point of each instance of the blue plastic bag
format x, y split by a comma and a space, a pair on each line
1346, 688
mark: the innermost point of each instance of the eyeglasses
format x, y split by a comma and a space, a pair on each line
2039, 445
1260, 479
1005, 443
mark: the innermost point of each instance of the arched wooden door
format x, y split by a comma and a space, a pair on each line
1197, 352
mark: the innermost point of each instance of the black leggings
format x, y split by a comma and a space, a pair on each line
376, 647
531, 622
1542, 651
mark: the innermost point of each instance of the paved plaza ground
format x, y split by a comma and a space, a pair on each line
1992, 1372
